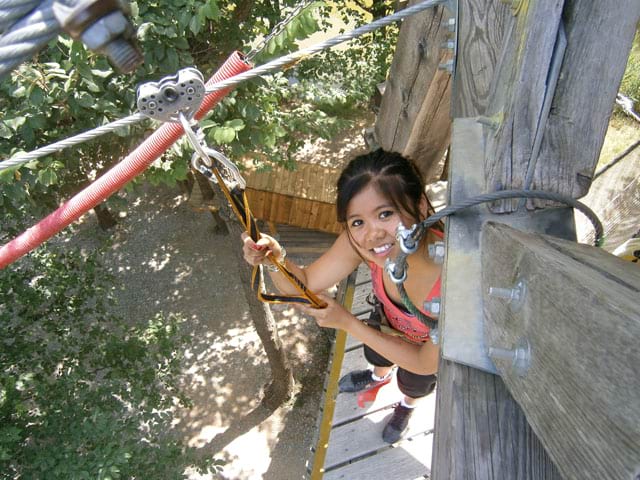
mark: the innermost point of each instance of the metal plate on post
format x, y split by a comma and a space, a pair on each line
462, 318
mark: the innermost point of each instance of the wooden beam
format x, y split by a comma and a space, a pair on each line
414, 115
547, 120
481, 432
599, 37
580, 320
522, 83
482, 25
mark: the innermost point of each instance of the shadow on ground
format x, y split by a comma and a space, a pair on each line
170, 260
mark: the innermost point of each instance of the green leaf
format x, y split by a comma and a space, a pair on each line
224, 135
236, 124
47, 177
85, 99
279, 131
5, 132
15, 122
195, 24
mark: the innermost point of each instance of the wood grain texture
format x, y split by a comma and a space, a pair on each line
581, 317
298, 212
599, 37
481, 433
482, 25
518, 95
414, 114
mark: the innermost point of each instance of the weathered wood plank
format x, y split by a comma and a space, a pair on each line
522, 83
580, 386
399, 463
368, 432
431, 135
481, 28
360, 304
481, 433
414, 115
589, 80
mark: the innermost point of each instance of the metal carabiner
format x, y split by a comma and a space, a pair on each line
206, 153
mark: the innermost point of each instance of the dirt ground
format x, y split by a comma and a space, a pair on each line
171, 260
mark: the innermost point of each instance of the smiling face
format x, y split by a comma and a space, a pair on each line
372, 220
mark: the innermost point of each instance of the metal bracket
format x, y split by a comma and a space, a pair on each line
463, 339
177, 94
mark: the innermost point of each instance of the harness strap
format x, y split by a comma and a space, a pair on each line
240, 205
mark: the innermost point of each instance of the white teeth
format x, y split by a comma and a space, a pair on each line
382, 248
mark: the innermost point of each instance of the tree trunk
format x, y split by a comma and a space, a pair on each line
281, 386
106, 220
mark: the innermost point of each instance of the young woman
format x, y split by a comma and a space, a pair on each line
376, 192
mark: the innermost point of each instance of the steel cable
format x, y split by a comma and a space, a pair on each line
13, 10
398, 267
71, 141
27, 36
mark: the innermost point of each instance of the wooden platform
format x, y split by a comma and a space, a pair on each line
350, 444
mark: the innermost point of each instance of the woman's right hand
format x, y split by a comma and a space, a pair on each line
255, 252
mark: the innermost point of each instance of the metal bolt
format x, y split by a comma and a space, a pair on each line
492, 123
515, 295
449, 44
519, 356
448, 66
436, 252
433, 306
450, 24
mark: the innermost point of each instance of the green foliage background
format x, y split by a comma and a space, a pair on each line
83, 392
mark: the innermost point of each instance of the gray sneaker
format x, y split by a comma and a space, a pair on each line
397, 424
359, 380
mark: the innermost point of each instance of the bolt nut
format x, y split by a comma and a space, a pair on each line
450, 24
448, 66
436, 252
515, 296
102, 31
433, 306
519, 357
449, 44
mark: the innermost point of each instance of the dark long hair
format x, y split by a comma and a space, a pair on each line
394, 176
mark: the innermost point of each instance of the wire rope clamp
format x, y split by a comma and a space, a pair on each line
397, 273
409, 238
175, 94
104, 27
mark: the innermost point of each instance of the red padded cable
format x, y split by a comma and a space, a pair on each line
113, 180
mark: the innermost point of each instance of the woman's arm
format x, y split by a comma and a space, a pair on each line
420, 359
330, 268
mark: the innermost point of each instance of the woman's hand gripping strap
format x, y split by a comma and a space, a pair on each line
240, 205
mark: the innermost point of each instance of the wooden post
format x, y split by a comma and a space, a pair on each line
567, 347
554, 92
414, 117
